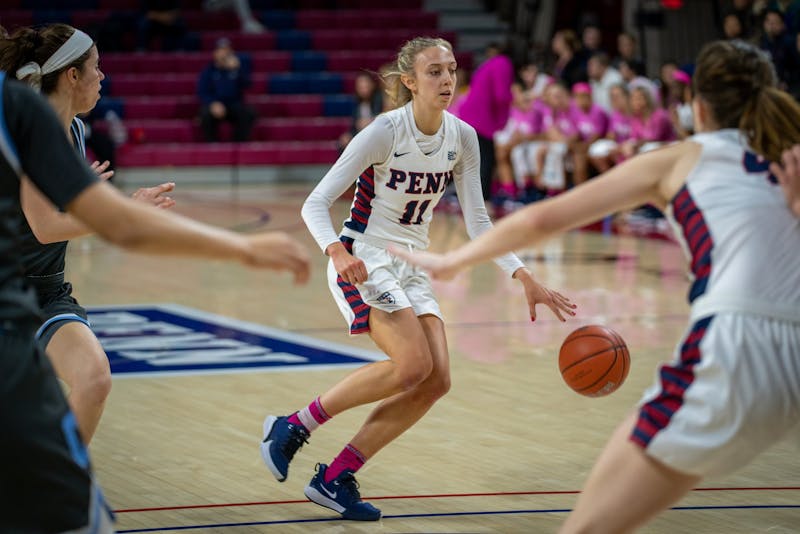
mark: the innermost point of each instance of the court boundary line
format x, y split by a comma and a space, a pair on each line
425, 496
444, 514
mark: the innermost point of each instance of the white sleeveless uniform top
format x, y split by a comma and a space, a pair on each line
742, 240
402, 174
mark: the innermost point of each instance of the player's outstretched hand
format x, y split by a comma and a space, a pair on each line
278, 251
438, 265
788, 174
101, 169
156, 195
536, 293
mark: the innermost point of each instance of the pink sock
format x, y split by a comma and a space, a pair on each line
508, 189
311, 416
350, 458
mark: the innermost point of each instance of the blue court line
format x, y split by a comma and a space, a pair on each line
446, 514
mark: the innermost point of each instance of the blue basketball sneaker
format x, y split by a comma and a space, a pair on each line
340, 495
282, 440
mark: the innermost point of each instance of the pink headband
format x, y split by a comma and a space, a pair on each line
682, 77
582, 87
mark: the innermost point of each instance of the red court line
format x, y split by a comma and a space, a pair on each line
428, 496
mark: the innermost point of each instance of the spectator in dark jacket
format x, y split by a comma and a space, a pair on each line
221, 90
781, 47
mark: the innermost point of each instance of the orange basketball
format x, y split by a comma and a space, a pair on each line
594, 360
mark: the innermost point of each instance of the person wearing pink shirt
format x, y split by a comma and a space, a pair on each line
514, 170
605, 153
651, 127
591, 122
486, 107
559, 133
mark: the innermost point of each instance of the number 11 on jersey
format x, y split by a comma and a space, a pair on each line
411, 209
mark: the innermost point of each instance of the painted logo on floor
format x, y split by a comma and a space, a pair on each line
171, 339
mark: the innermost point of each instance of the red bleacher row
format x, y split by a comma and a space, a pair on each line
188, 131
303, 67
227, 154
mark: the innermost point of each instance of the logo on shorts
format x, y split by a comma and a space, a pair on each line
386, 298
451, 155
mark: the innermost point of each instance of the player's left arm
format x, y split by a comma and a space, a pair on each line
468, 186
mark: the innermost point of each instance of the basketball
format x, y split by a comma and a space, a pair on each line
594, 360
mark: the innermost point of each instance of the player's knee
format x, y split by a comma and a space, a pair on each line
439, 386
96, 384
414, 373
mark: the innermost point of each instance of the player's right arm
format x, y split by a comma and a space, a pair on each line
654, 177
34, 127
788, 174
370, 146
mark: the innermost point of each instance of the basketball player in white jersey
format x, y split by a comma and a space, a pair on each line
403, 161
732, 389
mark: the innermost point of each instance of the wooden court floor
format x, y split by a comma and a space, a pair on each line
505, 451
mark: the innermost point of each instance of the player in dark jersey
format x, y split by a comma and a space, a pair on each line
63, 64
45, 480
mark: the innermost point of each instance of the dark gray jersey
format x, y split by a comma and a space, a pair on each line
32, 143
46, 259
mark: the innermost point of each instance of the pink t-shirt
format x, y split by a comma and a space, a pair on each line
590, 124
658, 127
527, 121
561, 119
619, 126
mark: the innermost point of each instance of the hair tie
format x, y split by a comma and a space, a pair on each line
33, 70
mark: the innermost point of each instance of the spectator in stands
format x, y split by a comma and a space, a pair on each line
747, 14
592, 41
602, 77
248, 22
591, 123
782, 48
162, 19
650, 125
221, 90
513, 142
605, 153
531, 80
368, 105
559, 133
568, 68
789, 11
666, 81
630, 71
487, 107
732, 26
627, 53
680, 106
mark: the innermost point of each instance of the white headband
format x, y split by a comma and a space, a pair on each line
73, 48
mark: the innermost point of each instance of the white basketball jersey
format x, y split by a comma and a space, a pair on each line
742, 240
394, 200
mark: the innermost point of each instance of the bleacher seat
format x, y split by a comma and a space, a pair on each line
304, 69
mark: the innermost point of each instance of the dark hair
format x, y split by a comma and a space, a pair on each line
29, 44
601, 57
738, 83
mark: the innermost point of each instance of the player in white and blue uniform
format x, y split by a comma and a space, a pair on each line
403, 162
733, 388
